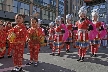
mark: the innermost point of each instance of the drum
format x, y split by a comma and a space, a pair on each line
11, 37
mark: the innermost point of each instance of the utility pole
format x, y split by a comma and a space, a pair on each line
65, 1
57, 7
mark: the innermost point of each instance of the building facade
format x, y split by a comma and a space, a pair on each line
103, 11
46, 10
73, 8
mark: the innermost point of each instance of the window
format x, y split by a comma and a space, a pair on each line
44, 14
0, 6
51, 15
35, 9
54, 3
61, 1
61, 9
15, 9
15, 3
1, 1
54, 16
22, 5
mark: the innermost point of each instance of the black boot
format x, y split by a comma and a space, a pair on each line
1, 57
36, 64
79, 59
52, 54
58, 54
29, 63
82, 59
67, 51
92, 55
10, 56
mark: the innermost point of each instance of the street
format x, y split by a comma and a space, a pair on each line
67, 62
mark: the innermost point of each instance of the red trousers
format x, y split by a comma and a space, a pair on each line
82, 52
2, 45
54, 48
34, 51
94, 49
18, 54
67, 46
51, 45
10, 48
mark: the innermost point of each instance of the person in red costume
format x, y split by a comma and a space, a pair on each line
17, 36
34, 39
84, 27
58, 36
69, 26
3, 37
10, 45
51, 34
99, 27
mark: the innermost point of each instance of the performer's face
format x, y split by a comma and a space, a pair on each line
57, 22
69, 21
95, 18
51, 26
34, 23
19, 19
82, 15
9, 25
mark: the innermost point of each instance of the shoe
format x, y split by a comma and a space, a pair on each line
82, 59
79, 59
52, 54
36, 64
14, 70
58, 54
1, 57
92, 55
10, 56
18, 69
67, 51
29, 63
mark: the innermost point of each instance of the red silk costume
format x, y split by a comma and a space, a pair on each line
34, 42
51, 37
3, 37
82, 36
58, 38
10, 45
69, 27
19, 43
94, 46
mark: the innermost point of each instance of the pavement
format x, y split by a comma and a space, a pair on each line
67, 62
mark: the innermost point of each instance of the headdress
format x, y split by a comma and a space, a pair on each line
95, 12
83, 9
39, 21
51, 23
58, 19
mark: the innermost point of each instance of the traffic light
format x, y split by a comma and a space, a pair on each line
93, 2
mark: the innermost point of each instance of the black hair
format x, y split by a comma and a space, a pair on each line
23, 16
35, 19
